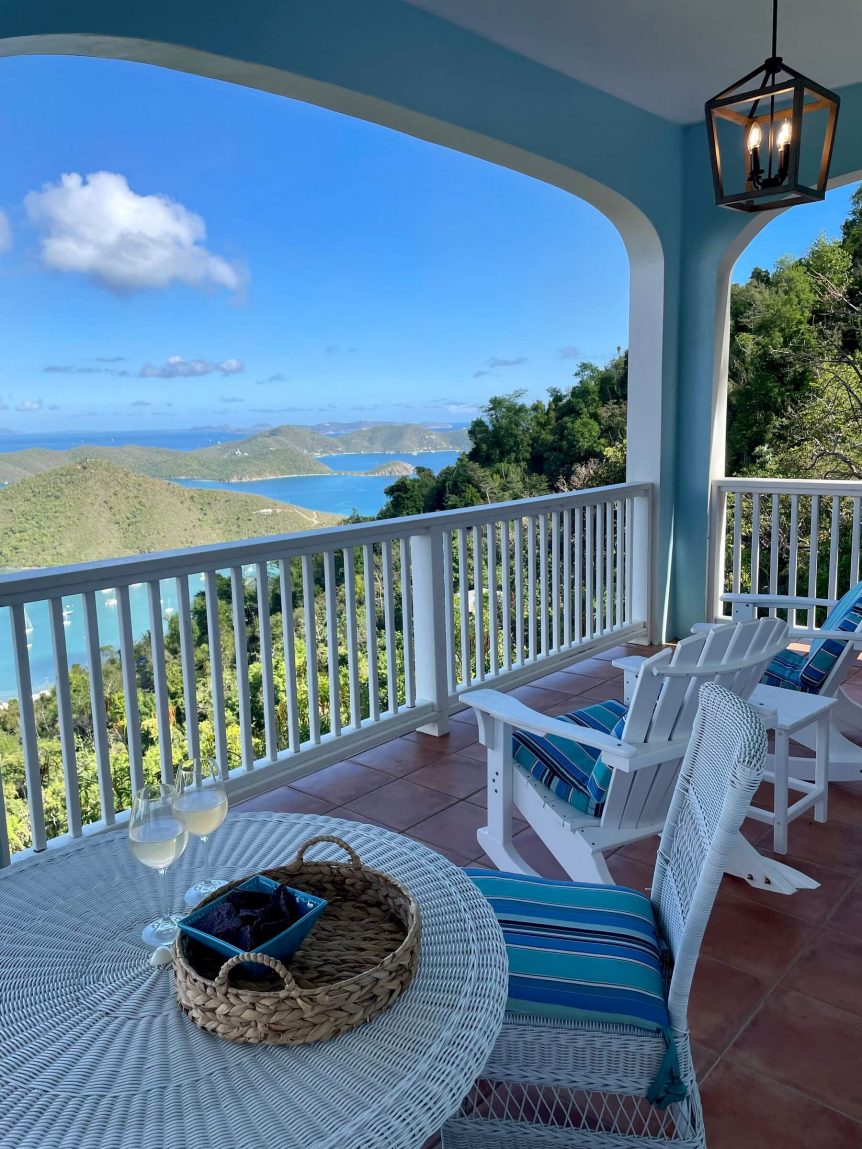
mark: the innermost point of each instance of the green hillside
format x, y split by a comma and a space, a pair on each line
93, 510
396, 438
285, 450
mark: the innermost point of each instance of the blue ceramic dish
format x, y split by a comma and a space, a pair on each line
283, 945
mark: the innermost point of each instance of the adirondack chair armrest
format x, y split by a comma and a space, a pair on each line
700, 627
797, 602
853, 637
504, 708
647, 754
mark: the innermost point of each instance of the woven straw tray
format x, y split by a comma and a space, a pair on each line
361, 954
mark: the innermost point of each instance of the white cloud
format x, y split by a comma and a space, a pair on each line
30, 405
5, 232
97, 226
177, 367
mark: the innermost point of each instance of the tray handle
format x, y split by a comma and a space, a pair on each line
352, 854
221, 981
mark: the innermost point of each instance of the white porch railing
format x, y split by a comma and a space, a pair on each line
386, 622
795, 537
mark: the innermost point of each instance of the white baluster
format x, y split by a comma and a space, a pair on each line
64, 716
449, 610
216, 673
98, 709
407, 622
531, 588
267, 679
478, 603
187, 658
493, 631
520, 613
130, 689
27, 728
506, 591
555, 581
331, 606
371, 630
310, 621
567, 577
351, 625
237, 593
294, 737
160, 682
834, 536
464, 604
793, 558
854, 543
543, 584
813, 554
579, 574
389, 628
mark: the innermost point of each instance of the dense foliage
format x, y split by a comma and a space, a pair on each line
795, 373
574, 439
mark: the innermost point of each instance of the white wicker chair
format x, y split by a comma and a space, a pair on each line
573, 1084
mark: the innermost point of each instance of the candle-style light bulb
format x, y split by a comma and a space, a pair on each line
755, 136
784, 134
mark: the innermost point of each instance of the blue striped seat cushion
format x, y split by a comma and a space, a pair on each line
580, 952
845, 615
573, 772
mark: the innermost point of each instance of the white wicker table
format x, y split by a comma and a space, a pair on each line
94, 1051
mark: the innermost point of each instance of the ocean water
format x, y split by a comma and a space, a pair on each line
339, 494
185, 440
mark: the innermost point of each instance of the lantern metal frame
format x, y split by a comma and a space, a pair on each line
781, 187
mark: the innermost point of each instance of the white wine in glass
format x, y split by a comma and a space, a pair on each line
157, 837
201, 802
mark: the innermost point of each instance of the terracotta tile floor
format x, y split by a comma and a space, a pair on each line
776, 1008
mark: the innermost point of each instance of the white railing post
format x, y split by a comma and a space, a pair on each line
429, 626
641, 560
717, 550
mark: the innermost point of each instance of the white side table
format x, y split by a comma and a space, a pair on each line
786, 712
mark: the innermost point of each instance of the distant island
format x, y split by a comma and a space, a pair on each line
93, 509
277, 453
397, 469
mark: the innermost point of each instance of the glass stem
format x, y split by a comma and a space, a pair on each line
163, 894
206, 841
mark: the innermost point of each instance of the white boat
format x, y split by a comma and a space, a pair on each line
110, 602
67, 616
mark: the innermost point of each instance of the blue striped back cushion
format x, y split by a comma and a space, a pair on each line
784, 670
587, 953
573, 772
845, 615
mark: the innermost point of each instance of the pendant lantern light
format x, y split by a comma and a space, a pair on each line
770, 136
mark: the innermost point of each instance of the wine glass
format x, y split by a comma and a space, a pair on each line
202, 802
157, 837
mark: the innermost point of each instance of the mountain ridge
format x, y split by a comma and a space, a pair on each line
278, 452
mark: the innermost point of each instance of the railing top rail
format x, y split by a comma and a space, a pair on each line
52, 582
830, 487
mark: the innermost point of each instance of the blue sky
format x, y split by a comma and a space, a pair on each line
300, 265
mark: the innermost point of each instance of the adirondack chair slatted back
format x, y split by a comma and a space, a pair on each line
722, 768
664, 705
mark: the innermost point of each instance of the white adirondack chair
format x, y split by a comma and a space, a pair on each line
845, 756
644, 759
